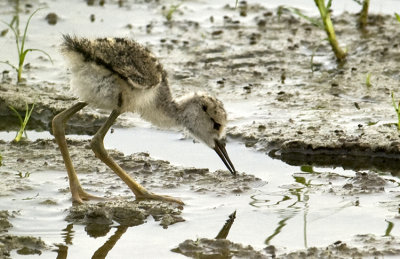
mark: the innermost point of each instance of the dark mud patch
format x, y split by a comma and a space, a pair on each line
24, 245
4, 223
99, 217
216, 248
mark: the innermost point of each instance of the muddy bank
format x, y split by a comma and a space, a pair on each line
365, 246
305, 106
362, 246
285, 93
49, 101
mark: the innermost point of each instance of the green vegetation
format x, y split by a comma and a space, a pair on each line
368, 80
23, 122
21, 175
172, 9
363, 18
328, 26
397, 16
20, 42
313, 21
1, 160
396, 108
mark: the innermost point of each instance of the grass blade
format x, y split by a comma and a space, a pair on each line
39, 50
23, 122
313, 21
397, 16
11, 65
26, 28
17, 114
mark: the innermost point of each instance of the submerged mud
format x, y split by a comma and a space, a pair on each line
24, 245
216, 248
101, 216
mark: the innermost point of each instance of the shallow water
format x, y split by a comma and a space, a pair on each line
283, 212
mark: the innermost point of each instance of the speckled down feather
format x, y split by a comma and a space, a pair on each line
126, 58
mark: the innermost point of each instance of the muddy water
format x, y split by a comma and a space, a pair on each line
318, 121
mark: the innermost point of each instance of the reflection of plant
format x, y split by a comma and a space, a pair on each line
20, 42
24, 121
302, 196
223, 233
389, 228
396, 108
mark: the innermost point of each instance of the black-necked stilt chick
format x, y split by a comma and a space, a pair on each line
120, 75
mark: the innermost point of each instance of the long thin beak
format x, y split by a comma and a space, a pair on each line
221, 151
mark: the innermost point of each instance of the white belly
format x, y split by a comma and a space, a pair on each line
100, 88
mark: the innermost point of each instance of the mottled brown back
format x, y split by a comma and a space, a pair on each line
128, 59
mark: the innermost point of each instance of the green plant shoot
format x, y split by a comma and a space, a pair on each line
363, 19
1, 160
171, 11
368, 80
20, 43
396, 108
328, 25
397, 16
23, 122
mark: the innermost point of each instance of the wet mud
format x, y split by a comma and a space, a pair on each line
316, 110
43, 154
216, 248
99, 217
369, 246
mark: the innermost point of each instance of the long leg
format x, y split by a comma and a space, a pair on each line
58, 124
98, 148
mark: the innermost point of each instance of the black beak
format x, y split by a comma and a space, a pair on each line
221, 151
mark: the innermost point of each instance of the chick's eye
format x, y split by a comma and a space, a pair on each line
217, 126
204, 108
